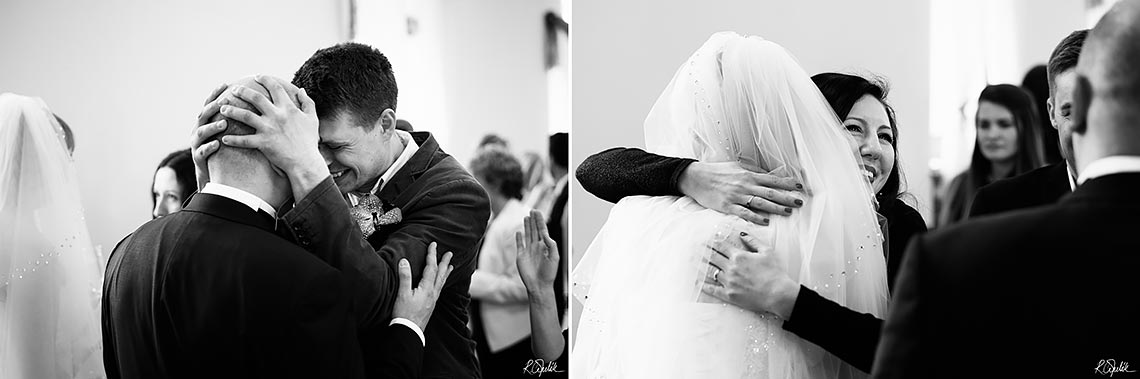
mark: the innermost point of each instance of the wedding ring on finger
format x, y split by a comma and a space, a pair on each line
716, 275
750, 198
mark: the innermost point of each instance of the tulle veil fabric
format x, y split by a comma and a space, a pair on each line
49, 275
740, 99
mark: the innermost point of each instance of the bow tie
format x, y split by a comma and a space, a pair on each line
370, 212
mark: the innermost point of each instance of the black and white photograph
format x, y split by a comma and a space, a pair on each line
584, 189
834, 189
283, 189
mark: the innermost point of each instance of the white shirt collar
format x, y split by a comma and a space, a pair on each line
249, 199
410, 149
1110, 165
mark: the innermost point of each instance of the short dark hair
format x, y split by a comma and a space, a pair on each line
1065, 56
349, 77
842, 91
560, 149
501, 170
493, 139
183, 165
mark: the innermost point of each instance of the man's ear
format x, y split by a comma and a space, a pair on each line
1049, 110
387, 121
1082, 99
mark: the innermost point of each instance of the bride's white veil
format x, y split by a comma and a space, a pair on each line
746, 99
742, 99
49, 277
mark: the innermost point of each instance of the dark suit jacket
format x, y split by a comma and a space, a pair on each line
852, 336
1042, 292
211, 291
1042, 186
440, 203
554, 227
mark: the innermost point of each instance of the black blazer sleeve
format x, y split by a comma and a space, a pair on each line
401, 352
850, 335
621, 171
322, 225
900, 355
453, 214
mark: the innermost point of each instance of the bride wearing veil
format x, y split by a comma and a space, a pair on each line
747, 100
49, 276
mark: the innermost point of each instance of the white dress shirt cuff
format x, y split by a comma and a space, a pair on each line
412, 325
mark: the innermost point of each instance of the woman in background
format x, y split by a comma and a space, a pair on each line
49, 275
1007, 145
173, 182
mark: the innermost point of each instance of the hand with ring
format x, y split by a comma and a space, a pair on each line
751, 279
730, 188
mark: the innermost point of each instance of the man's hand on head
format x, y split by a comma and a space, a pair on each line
200, 150
287, 130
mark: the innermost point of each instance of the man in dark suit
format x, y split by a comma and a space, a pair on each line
559, 159
1044, 292
403, 192
1046, 184
217, 291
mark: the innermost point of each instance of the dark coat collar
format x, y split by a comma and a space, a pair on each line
229, 209
1113, 188
420, 162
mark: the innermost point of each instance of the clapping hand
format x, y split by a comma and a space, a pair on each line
537, 254
418, 304
729, 188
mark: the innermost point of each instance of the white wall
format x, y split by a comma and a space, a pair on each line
130, 77
493, 64
624, 54
469, 69
980, 42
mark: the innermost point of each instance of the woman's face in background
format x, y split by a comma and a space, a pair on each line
997, 132
166, 192
873, 139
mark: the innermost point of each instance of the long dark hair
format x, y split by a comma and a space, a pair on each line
183, 166
842, 91
960, 194
1029, 150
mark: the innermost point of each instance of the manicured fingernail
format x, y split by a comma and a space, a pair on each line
788, 209
799, 186
766, 221
799, 202
742, 234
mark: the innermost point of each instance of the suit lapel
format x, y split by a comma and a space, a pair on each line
398, 190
